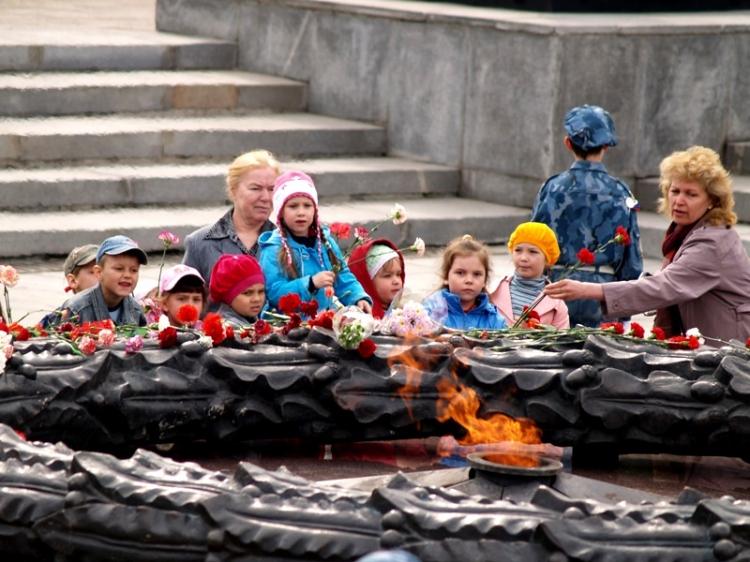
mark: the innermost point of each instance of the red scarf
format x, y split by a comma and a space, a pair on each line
668, 318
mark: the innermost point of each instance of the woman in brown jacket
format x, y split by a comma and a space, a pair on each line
705, 277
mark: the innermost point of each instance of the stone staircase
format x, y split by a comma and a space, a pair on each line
124, 135
132, 133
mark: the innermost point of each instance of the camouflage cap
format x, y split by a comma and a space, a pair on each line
590, 126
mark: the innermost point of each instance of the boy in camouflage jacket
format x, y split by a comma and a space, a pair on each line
584, 205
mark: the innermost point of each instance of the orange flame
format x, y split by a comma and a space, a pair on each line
461, 404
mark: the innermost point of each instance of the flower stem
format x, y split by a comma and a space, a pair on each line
525, 314
9, 318
161, 267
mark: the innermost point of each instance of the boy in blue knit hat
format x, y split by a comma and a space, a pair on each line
118, 263
584, 205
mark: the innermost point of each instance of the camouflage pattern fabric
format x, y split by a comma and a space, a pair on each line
584, 205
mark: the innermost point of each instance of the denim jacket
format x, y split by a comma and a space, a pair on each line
346, 287
445, 307
204, 246
89, 306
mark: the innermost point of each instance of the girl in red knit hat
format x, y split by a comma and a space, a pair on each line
238, 286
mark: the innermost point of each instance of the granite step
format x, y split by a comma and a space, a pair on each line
737, 157
202, 183
436, 220
68, 93
183, 134
653, 226
647, 191
24, 51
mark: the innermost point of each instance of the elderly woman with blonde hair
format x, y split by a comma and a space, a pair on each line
704, 282
249, 186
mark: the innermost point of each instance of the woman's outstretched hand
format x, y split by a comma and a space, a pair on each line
567, 289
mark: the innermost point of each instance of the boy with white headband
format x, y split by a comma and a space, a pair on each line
379, 266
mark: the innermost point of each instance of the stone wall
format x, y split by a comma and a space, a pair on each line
486, 90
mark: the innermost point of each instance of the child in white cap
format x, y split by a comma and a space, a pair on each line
379, 266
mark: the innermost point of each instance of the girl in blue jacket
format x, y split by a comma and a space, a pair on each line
463, 302
301, 256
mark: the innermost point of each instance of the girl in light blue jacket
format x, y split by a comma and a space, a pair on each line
300, 256
463, 302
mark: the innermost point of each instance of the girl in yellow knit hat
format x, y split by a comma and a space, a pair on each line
533, 248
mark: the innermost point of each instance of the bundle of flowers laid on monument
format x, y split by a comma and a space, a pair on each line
541, 336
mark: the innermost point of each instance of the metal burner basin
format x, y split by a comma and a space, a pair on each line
518, 465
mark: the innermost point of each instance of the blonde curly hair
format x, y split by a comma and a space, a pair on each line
249, 161
703, 166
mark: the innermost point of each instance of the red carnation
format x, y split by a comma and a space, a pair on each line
229, 333
532, 323
213, 327
682, 342
747, 343
167, 337
367, 348
262, 328
622, 236
187, 314
309, 308
289, 303
658, 334
531, 314
294, 321
361, 232
586, 256
324, 320
636, 330
3, 327
19, 332
341, 230
616, 327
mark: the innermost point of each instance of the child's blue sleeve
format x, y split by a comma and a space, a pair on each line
277, 282
436, 307
499, 322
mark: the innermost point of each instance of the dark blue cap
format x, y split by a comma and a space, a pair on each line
590, 126
116, 245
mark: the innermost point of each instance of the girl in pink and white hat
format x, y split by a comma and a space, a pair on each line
301, 256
